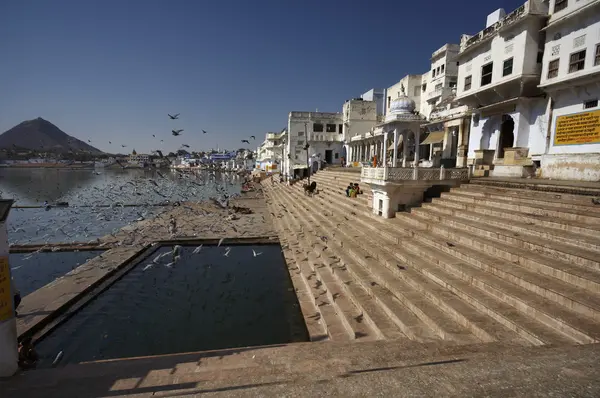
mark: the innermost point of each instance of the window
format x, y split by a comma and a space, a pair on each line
330, 128
317, 127
468, 82
452, 84
300, 133
433, 73
443, 68
560, 5
424, 88
337, 155
553, 68
417, 91
389, 101
577, 61
300, 142
507, 67
590, 104
438, 87
486, 74
340, 128
597, 59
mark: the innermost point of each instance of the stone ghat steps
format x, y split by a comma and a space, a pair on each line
333, 287
556, 302
327, 180
392, 308
415, 245
584, 190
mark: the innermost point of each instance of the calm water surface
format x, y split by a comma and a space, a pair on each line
204, 301
89, 193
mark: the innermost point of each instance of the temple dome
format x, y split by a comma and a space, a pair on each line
402, 105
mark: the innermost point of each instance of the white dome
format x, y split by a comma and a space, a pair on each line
402, 105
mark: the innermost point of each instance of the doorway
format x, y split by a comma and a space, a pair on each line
329, 156
507, 136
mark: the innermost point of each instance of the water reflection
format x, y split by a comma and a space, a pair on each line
95, 199
204, 301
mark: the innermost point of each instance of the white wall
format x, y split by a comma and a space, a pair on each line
560, 44
359, 117
519, 43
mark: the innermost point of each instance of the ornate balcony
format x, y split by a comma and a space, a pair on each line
518, 14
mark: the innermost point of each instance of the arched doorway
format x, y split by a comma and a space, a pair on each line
411, 144
486, 133
507, 136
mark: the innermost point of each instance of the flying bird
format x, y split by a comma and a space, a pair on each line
246, 141
253, 137
185, 145
124, 146
204, 131
173, 117
176, 132
255, 253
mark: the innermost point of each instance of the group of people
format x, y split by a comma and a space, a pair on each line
352, 190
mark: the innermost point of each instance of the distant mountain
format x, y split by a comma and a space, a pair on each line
41, 135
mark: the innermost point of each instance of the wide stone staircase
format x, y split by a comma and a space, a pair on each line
479, 264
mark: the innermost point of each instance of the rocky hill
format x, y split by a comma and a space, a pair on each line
41, 135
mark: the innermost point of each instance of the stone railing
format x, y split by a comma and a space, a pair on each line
414, 173
491, 30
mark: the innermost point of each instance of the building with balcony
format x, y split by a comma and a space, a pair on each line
271, 153
571, 78
322, 131
442, 79
498, 76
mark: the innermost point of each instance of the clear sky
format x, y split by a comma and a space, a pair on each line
111, 70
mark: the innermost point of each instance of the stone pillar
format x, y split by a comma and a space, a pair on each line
417, 146
404, 148
395, 158
385, 157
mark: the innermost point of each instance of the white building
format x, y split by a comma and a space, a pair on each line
571, 77
441, 82
271, 152
138, 158
498, 75
359, 116
322, 131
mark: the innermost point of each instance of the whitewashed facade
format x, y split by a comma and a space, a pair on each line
441, 81
498, 75
323, 131
571, 77
270, 154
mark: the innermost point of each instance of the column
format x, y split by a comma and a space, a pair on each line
395, 159
417, 145
404, 148
385, 157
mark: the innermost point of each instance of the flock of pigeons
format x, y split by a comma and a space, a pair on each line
178, 132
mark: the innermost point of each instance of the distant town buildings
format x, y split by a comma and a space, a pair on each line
517, 99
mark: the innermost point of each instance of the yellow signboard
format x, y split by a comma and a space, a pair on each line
6, 299
578, 128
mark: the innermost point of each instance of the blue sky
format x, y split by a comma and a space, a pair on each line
111, 70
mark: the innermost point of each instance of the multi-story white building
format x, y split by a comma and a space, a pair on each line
323, 131
571, 77
498, 75
270, 154
440, 82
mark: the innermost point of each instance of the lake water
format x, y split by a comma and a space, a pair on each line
204, 301
87, 190
85, 220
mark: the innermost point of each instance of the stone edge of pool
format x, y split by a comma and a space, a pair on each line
46, 308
